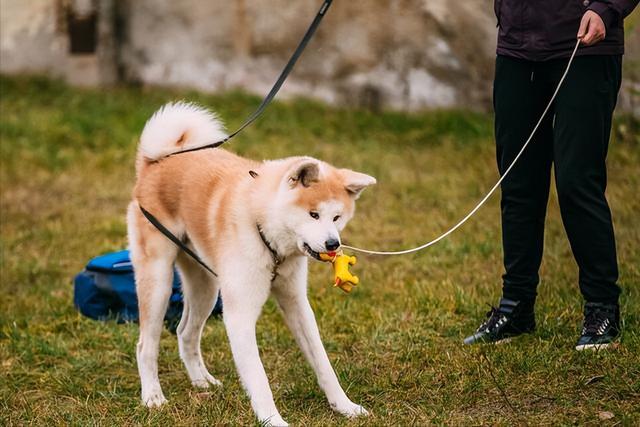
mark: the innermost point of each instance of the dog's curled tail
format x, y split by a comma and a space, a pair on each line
179, 126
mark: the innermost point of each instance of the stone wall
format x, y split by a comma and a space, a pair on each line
401, 54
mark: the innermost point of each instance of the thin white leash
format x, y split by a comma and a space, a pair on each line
473, 211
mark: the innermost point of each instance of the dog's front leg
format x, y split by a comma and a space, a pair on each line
243, 300
291, 294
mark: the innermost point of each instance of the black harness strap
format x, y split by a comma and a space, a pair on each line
277, 85
164, 230
277, 260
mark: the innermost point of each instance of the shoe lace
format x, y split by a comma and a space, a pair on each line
493, 317
595, 321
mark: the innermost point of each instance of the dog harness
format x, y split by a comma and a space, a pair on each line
178, 242
277, 260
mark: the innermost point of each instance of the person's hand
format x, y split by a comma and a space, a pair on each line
592, 29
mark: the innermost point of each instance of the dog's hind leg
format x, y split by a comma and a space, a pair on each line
200, 291
291, 293
152, 255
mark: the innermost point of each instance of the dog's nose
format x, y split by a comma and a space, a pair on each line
332, 244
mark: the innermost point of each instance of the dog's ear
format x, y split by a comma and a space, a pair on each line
355, 182
304, 174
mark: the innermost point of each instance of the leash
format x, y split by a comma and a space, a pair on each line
263, 105
164, 230
276, 86
493, 189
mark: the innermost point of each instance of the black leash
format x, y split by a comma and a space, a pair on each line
265, 102
164, 230
277, 260
277, 85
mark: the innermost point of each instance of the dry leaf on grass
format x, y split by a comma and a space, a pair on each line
605, 415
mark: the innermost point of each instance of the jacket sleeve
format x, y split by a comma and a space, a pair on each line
613, 10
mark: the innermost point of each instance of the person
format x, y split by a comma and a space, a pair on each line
535, 40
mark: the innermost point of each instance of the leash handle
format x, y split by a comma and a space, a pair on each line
493, 189
277, 85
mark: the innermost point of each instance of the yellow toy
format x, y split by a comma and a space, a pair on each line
342, 276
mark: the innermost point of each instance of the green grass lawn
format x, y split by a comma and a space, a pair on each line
395, 342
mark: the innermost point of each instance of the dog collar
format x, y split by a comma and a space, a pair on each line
277, 260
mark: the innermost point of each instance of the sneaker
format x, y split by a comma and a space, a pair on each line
601, 326
510, 319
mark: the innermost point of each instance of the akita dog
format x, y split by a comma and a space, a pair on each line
255, 224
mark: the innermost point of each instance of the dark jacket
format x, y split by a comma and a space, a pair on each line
539, 30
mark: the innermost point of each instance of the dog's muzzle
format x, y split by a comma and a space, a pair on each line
313, 254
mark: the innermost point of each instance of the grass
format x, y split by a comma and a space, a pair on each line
67, 170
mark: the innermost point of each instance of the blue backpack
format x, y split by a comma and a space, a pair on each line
106, 289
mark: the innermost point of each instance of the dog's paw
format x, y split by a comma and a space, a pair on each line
351, 410
274, 421
206, 381
154, 400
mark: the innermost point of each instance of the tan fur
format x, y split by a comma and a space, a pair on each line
179, 190
331, 187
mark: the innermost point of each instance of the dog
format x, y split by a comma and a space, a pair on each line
256, 224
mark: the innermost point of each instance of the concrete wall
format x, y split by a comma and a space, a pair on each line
31, 37
399, 53
402, 54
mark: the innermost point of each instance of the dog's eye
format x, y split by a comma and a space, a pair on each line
314, 215
335, 218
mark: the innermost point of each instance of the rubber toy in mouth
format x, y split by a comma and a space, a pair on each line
343, 278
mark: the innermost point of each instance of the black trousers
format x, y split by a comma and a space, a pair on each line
574, 138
